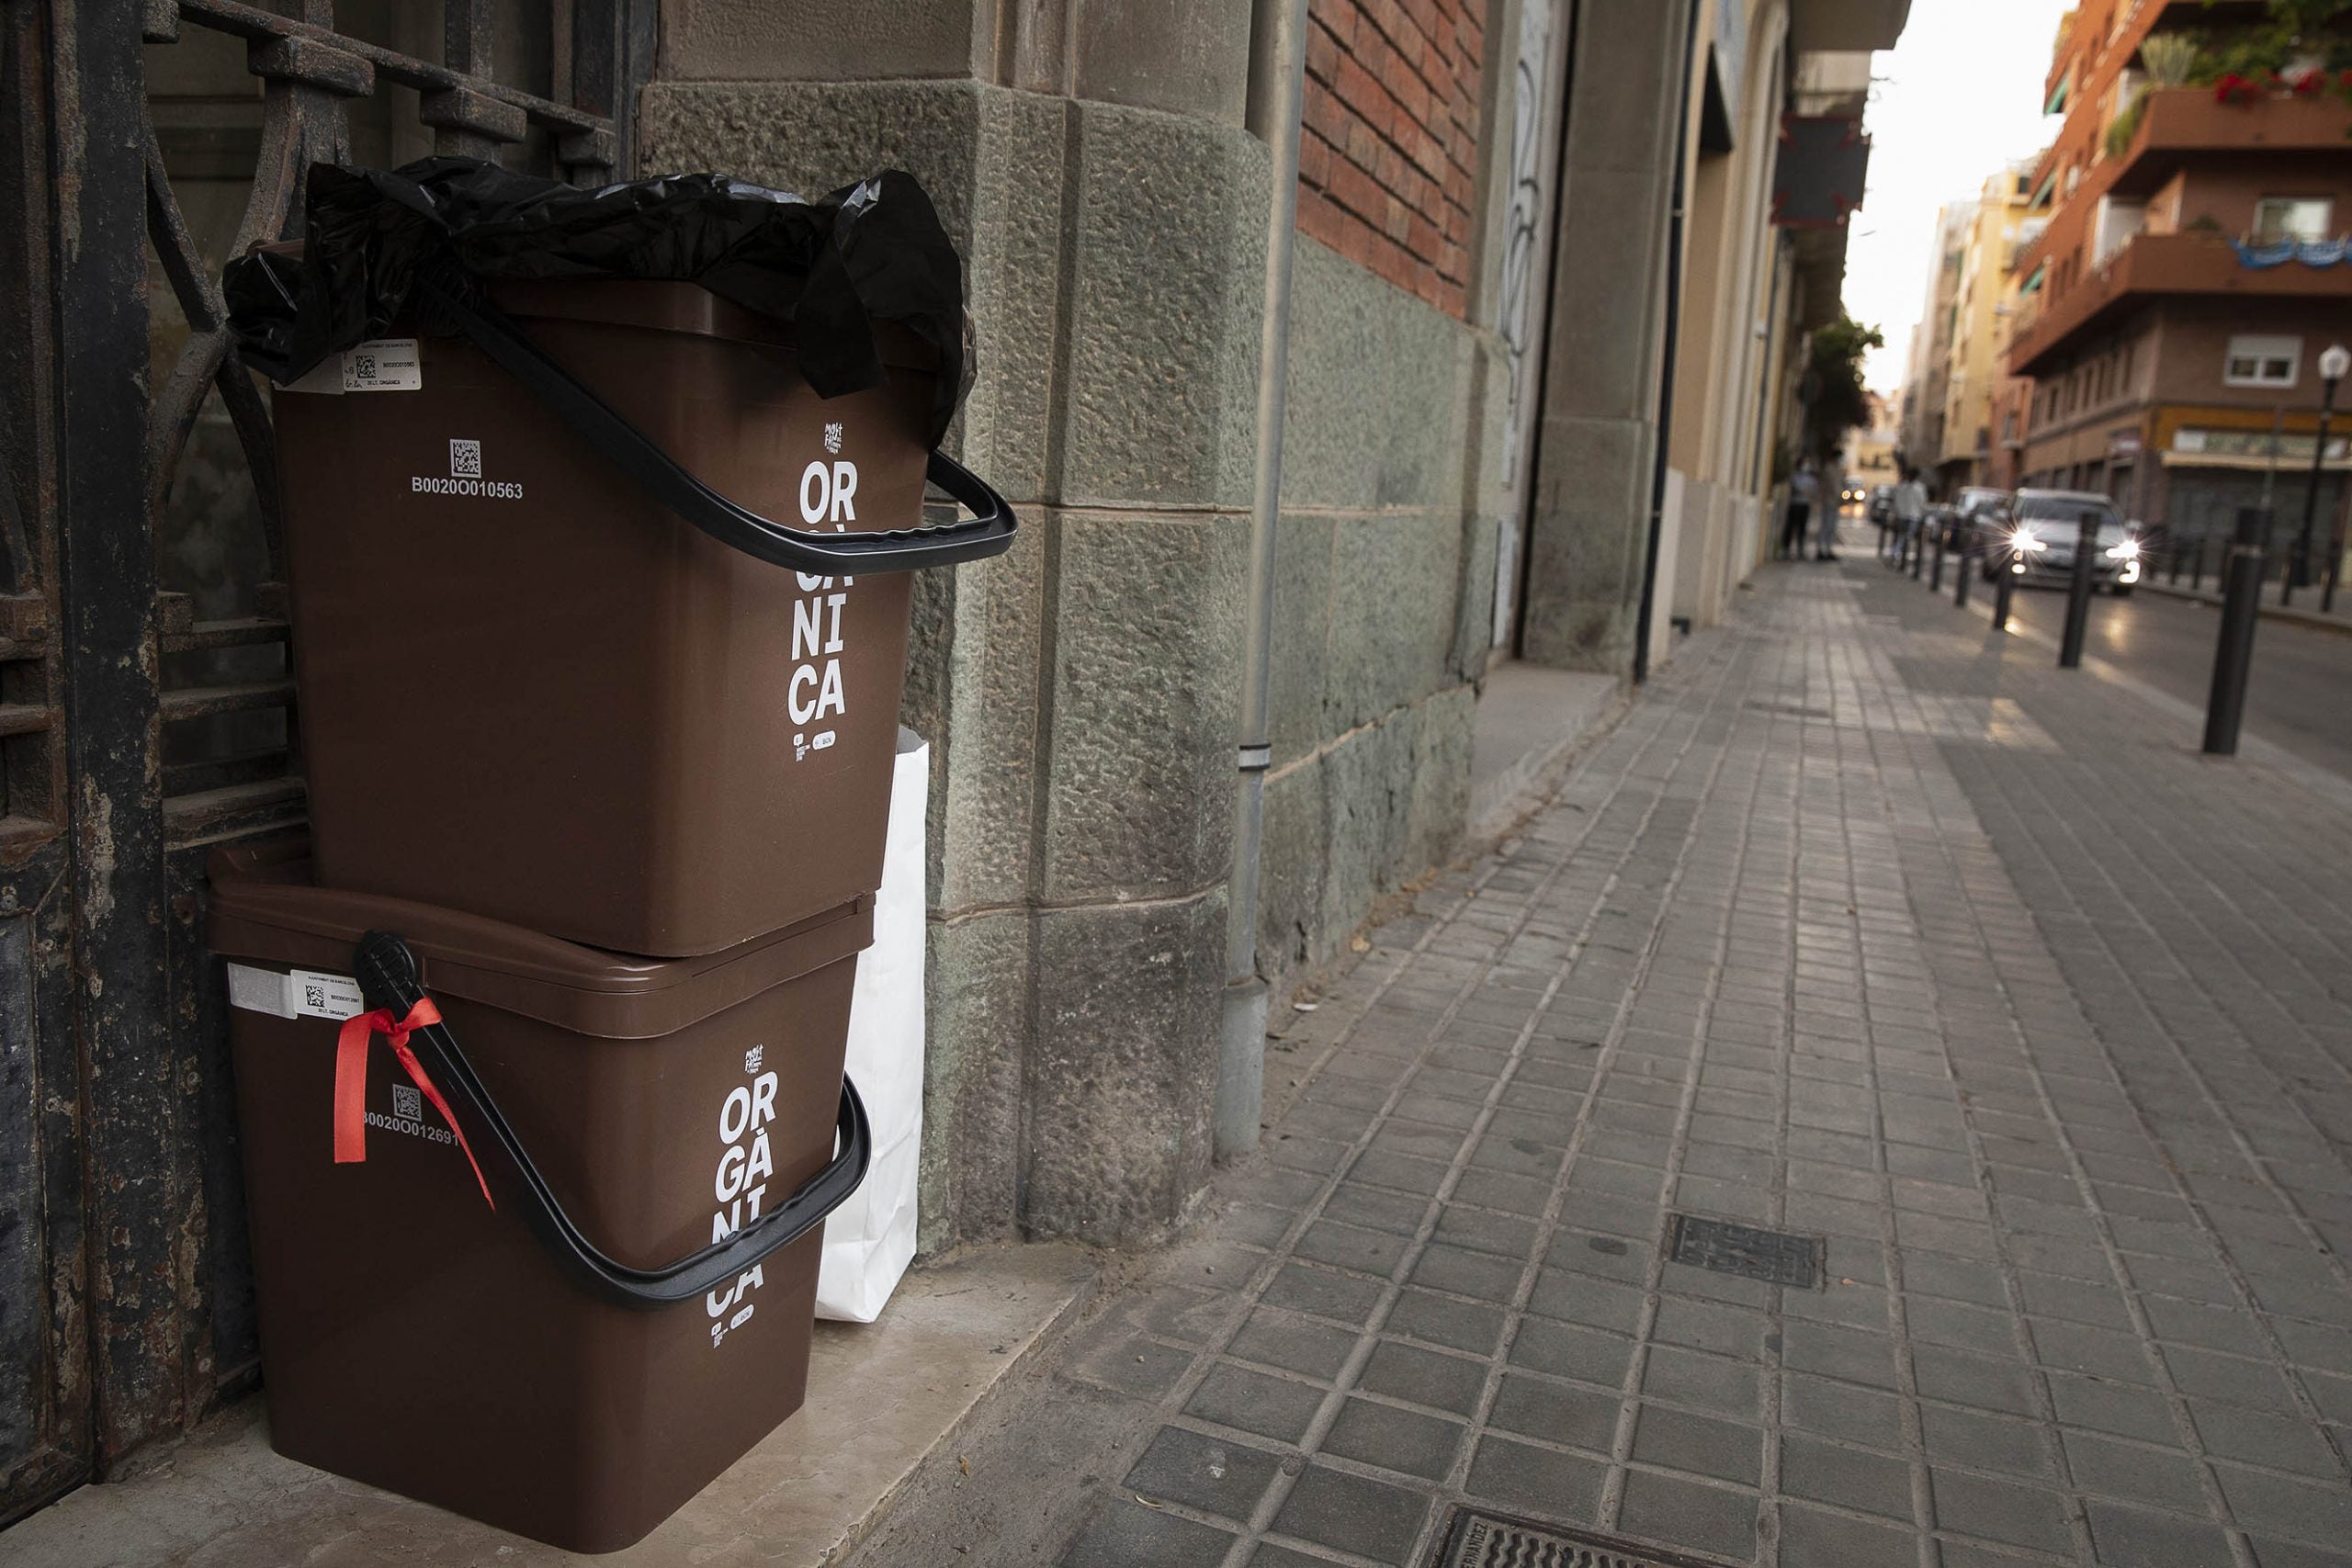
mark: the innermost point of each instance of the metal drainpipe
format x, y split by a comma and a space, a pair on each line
1277, 86
1647, 615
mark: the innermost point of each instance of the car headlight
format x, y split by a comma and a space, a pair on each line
2026, 539
2128, 550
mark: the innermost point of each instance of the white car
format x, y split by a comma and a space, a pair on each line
2044, 526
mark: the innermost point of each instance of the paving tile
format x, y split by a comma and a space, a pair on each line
1394, 1438
1834, 1350
1126, 1534
1133, 1365
1464, 1272
1709, 1382
2000, 1510
1817, 1538
1578, 1298
1351, 1246
2136, 1472
1347, 1298
1425, 1377
1588, 1355
2258, 1437
1475, 1326
1865, 1416
1485, 1230
2229, 1377
1980, 1441
2125, 1410
1521, 1478
1985, 1382
1702, 1445
1851, 1478
2139, 1538
1555, 1413
1376, 1208
1212, 1475
1255, 1402
1295, 1344
2277, 1505
1371, 1519
1717, 1520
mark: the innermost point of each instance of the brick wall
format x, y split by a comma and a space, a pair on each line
1390, 134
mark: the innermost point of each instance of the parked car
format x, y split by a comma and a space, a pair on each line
2037, 546
1983, 513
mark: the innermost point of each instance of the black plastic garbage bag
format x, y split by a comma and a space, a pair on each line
830, 268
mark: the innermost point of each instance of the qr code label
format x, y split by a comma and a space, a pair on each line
465, 459
312, 995
383, 365
407, 1104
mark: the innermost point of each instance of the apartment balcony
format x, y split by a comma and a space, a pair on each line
2178, 123
2152, 265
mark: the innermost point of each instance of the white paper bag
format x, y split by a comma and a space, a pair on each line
870, 1238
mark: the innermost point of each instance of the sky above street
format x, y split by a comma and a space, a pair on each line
1958, 98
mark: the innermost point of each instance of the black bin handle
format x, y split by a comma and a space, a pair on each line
988, 532
387, 978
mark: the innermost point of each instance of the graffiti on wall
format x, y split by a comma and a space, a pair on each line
1523, 231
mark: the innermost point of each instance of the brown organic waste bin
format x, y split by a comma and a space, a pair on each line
555, 666
634, 1313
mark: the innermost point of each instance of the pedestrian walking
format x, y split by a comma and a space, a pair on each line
1832, 502
1910, 513
1804, 490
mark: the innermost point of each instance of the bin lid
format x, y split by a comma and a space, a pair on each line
264, 910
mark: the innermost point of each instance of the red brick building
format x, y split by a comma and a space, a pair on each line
2191, 273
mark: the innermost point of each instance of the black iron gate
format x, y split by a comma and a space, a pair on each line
146, 709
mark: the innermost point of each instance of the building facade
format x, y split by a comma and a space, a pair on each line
2174, 307
1334, 352
1982, 312
1926, 375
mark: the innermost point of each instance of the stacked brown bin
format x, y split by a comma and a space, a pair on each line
600, 764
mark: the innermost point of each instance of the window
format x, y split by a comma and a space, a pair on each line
2292, 217
2257, 361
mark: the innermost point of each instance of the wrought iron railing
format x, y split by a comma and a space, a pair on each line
231, 753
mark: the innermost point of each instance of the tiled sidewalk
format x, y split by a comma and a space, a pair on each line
1864, 924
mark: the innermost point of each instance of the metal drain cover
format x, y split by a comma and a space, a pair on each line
1480, 1539
1777, 1257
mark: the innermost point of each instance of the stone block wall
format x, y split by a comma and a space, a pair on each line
1382, 604
1082, 693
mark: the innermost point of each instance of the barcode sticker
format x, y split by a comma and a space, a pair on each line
379, 365
383, 365
312, 995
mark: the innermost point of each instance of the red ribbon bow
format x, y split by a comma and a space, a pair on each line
351, 1082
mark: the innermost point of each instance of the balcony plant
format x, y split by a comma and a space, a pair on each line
2169, 59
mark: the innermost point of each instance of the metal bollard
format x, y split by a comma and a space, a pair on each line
2233, 655
2078, 594
2197, 566
2004, 590
1936, 579
2173, 549
1966, 569
1918, 549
